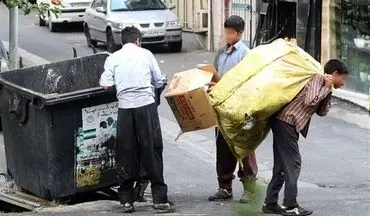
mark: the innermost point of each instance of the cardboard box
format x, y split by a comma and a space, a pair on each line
188, 98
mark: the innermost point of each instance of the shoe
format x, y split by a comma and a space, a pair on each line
249, 185
162, 208
296, 211
247, 197
222, 194
128, 208
272, 208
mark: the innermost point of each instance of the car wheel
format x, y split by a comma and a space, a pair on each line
175, 47
52, 26
111, 45
42, 22
89, 41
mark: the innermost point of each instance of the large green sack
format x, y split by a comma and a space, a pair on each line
268, 78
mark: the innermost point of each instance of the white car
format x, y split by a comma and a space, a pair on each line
105, 19
72, 11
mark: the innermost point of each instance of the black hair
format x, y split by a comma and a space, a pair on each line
236, 23
130, 35
335, 65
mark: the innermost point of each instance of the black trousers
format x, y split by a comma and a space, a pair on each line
287, 163
226, 164
137, 130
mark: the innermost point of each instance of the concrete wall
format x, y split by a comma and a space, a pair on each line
195, 41
218, 18
214, 36
187, 11
190, 12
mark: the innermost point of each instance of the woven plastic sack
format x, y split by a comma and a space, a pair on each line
268, 78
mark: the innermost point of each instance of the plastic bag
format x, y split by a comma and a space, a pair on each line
268, 78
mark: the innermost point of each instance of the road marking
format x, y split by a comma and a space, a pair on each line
192, 143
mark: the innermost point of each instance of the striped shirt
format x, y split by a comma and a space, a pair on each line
314, 98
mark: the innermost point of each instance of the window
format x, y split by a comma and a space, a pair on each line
137, 5
350, 23
104, 4
96, 3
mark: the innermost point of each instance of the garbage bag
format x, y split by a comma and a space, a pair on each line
268, 78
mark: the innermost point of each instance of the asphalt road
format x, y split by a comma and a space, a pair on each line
335, 178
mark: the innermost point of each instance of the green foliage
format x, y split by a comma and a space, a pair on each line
26, 6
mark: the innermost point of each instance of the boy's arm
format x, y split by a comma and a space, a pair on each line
316, 91
107, 78
158, 78
324, 106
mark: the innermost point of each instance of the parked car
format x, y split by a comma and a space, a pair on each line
105, 19
72, 11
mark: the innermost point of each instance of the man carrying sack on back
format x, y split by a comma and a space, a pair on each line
286, 125
229, 56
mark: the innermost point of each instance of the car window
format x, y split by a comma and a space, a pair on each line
96, 3
137, 5
104, 4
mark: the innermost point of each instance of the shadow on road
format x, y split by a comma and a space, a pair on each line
68, 27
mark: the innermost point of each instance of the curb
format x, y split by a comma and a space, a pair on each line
361, 100
32, 59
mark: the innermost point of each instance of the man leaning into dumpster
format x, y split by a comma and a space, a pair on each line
286, 125
135, 73
226, 162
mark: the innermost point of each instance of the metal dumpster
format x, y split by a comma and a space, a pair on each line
59, 127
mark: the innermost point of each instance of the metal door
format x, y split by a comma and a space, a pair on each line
247, 9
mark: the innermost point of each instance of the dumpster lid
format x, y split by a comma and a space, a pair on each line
58, 82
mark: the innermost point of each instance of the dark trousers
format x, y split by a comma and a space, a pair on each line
287, 163
226, 164
136, 131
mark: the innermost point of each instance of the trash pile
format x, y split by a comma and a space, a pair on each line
6, 185
268, 78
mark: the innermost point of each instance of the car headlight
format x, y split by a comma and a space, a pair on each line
120, 26
173, 24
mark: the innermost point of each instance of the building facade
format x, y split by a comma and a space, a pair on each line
342, 25
346, 36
